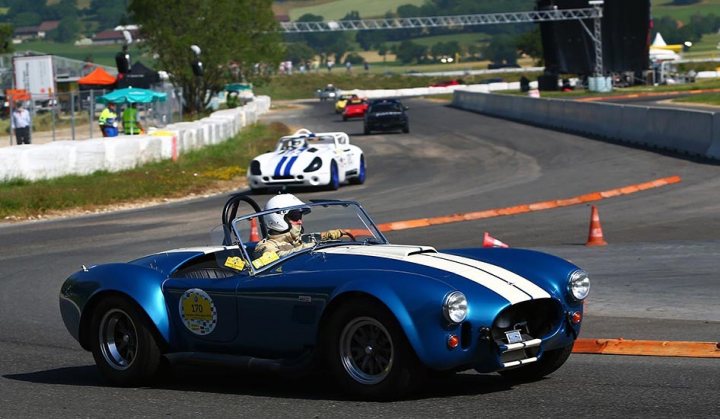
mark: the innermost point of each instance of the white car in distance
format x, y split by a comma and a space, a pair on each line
306, 158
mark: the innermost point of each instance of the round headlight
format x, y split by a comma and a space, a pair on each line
579, 285
455, 307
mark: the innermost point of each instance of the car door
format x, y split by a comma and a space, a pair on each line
203, 308
346, 156
278, 313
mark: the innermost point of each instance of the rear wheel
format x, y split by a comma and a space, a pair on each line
366, 130
406, 128
360, 178
548, 363
334, 182
345, 118
122, 343
368, 353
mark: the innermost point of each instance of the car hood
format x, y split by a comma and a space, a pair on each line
460, 272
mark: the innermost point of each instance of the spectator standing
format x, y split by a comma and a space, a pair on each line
348, 66
108, 121
366, 65
131, 125
20, 123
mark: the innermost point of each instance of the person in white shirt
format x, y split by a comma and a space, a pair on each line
20, 124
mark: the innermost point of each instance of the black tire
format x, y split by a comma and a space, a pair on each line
258, 191
406, 128
366, 130
334, 183
548, 363
362, 173
122, 343
368, 353
345, 118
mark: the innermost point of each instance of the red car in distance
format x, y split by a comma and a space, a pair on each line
355, 108
447, 83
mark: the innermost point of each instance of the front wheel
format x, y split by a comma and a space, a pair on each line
548, 363
122, 344
406, 128
334, 182
368, 353
360, 178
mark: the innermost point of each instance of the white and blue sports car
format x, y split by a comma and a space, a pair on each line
308, 159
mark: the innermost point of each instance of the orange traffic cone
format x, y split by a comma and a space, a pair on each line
595, 237
490, 241
254, 236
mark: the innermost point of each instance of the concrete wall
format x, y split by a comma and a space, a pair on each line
691, 132
60, 158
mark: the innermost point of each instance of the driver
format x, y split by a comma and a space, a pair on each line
285, 228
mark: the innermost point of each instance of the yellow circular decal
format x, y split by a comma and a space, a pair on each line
197, 311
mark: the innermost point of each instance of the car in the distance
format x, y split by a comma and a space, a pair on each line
355, 108
386, 115
375, 317
330, 92
342, 101
306, 158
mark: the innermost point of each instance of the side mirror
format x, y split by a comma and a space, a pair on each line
405, 107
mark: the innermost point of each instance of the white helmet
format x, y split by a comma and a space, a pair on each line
276, 220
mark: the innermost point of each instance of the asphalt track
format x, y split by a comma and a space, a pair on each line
655, 280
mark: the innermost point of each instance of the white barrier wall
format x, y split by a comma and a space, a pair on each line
683, 131
61, 158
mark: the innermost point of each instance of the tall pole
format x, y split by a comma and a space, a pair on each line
597, 41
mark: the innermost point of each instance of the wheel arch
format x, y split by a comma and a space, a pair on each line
391, 302
157, 319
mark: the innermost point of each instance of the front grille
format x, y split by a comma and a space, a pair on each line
535, 318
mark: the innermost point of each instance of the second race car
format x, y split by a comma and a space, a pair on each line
355, 108
309, 159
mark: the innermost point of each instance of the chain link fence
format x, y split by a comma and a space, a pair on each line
74, 115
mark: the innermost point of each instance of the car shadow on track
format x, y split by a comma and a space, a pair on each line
222, 380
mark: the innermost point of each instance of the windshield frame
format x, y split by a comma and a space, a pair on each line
359, 211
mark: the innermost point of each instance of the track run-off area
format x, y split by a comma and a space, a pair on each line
455, 176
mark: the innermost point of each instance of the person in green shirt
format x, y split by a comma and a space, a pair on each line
131, 125
108, 121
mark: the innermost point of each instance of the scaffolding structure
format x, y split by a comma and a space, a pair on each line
537, 16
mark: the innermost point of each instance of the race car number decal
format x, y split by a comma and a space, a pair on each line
235, 262
267, 257
198, 312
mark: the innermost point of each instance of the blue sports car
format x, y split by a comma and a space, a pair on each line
377, 316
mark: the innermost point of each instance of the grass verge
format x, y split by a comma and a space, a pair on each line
701, 99
211, 169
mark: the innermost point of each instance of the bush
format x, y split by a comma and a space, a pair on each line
354, 59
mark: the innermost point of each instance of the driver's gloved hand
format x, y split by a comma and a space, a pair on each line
332, 234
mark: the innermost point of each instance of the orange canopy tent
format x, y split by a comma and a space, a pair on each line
97, 77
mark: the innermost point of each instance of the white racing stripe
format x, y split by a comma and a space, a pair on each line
494, 284
524, 284
508, 285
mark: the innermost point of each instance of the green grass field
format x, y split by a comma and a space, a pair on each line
665, 8
338, 9
464, 39
703, 98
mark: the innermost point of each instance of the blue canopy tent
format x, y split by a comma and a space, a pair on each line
132, 95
